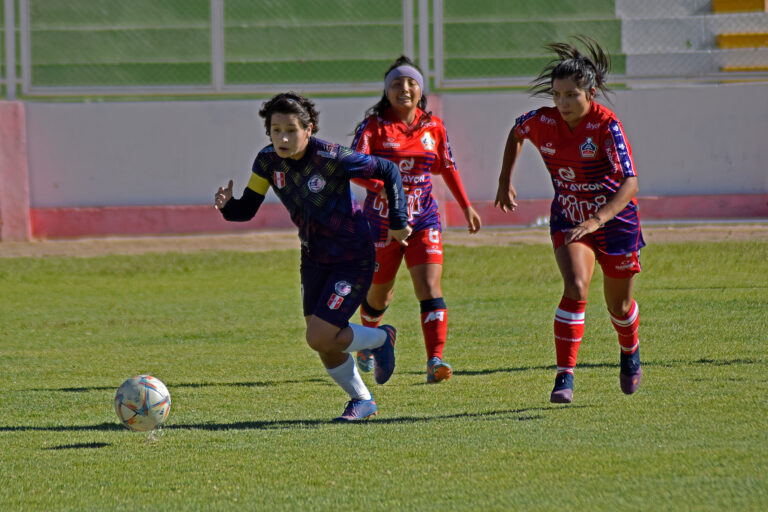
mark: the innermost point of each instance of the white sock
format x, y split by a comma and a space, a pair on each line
347, 376
365, 338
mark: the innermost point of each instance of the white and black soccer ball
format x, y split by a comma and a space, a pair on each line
142, 402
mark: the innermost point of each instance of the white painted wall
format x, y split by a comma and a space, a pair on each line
700, 140
685, 141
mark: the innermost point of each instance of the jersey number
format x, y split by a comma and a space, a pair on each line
413, 201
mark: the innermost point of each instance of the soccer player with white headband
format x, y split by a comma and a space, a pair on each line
400, 129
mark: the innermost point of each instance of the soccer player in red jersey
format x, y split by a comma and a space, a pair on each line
400, 129
593, 216
311, 177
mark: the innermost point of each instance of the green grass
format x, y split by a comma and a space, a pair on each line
249, 427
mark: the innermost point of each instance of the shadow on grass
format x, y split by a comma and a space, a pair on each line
255, 384
661, 364
77, 446
526, 414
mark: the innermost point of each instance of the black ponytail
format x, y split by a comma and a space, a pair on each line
588, 69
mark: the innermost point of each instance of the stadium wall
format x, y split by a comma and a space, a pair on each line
152, 167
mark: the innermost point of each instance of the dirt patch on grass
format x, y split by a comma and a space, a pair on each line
287, 239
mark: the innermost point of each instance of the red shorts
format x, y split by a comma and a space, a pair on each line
617, 266
425, 246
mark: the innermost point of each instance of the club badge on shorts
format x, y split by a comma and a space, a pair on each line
343, 288
335, 301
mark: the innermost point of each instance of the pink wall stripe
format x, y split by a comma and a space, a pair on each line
157, 220
147, 220
14, 171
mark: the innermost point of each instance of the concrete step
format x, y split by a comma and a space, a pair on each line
627, 9
688, 33
695, 63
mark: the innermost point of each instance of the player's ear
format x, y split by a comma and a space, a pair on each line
591, 93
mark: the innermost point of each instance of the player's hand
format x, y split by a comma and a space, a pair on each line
505, 198
223, 196
399, 234
473, 220
588, 226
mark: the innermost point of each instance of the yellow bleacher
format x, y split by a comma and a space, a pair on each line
741, 40
723, 6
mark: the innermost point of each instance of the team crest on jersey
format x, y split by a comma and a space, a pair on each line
316, 183
588, 149
343, 288
279, 178
335, 301
428, 142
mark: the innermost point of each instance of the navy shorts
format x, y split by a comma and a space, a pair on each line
334, 292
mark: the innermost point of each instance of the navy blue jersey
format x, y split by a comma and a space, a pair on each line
316, 192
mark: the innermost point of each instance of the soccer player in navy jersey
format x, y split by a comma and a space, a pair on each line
311, 177
399, 129
593, 216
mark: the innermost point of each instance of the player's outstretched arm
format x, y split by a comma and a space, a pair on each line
238, 210
222, 197
506, 193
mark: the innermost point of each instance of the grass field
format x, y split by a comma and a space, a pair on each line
250, 430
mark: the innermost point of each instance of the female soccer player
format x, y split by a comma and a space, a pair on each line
311, 177
593, 216
399, 129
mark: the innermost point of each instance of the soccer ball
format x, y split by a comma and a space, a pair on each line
142, 402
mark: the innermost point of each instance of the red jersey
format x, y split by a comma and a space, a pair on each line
586, 165
419, 151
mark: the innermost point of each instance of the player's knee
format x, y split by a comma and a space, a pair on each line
620, 308
318, 341
576, 289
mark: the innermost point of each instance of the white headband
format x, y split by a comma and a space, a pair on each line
404, 70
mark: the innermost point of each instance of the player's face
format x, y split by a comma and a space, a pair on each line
288, 136
571, 101
404, 94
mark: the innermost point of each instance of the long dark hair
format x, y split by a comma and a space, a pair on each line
587, 70
290, 103
383, 104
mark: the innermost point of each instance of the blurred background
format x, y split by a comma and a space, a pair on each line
112, 105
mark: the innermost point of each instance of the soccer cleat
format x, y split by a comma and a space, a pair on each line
563, 391
438, 370
365, 360
357, 410
384, 356
631, 373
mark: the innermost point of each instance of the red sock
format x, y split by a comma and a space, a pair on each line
569, 328
434, 326
627, 329
369, 316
